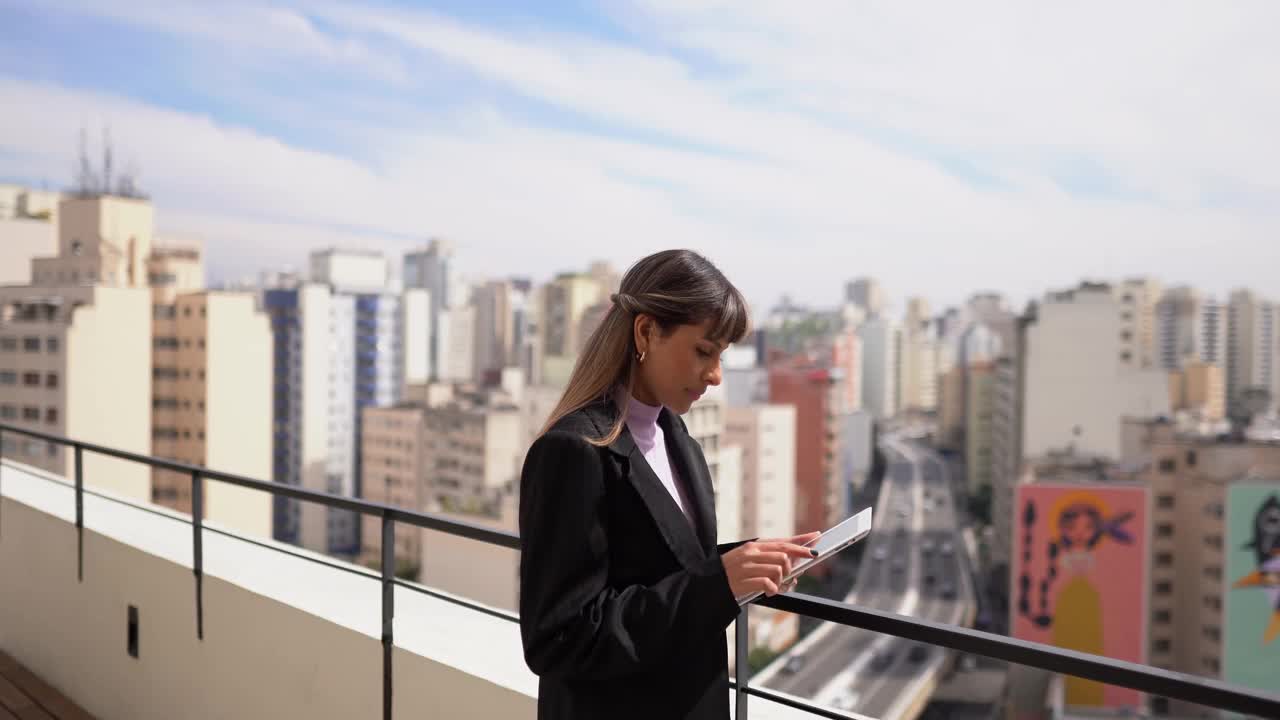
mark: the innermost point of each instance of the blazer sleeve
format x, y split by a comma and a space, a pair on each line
572, 623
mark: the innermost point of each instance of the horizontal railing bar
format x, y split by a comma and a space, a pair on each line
462, 602
417, 519
1156, 681
791, 702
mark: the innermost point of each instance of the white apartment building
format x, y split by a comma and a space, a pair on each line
1253, 347
880, 366
767, 436
1080, 378
1190, 328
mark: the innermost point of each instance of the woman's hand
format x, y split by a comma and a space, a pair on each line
760, 565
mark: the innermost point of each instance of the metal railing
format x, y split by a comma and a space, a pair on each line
1147, 679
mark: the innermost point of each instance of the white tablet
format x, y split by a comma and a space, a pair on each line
828, 544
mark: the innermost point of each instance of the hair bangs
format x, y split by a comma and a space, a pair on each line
731, 319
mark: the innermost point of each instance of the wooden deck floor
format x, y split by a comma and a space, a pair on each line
23, 696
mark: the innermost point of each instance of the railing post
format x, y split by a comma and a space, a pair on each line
741, 672
197, 559
388, 608
79, 458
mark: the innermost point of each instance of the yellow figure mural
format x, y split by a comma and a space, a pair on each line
1079, 523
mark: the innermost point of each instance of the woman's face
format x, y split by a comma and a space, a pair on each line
1078, 527
678, 368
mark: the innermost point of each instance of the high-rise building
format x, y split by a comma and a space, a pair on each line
918, 359
1189, 328
457, 336
880, 366
866, 293
496, 325
1251, 352
767, 436
431, 269
211, 389
1138, 326
1081, 379
979, 433
819, 497
336, 353
565, 300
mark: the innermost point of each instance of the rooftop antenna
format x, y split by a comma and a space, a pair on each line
106, 159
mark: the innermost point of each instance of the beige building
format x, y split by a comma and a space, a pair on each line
1138, 328
393, 466
1201, 388
459, 454
203, 359
102, 240
564, 302
767, 436
76, 361
1189, 477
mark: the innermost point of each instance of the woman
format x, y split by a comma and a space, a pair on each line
624, 595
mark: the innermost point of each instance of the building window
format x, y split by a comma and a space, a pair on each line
51, 415
8, 412
1211, 633
1191, 458
31, 344
1126, 335
31, 413
31, 379
52, 344
1163, 587
1126, 356
200, 343
8, 377
1168, 466
1211, 664
186, 312
9, 344
51, 380
1164, 530
1163, 617
1161, 645
1213, 572
1164, 559
1164, 502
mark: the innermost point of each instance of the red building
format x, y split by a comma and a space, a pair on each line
813, 393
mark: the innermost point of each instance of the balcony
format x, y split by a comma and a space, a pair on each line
135, 611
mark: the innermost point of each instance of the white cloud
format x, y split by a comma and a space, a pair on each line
789, 199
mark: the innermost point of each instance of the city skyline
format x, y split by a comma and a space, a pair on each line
870, 143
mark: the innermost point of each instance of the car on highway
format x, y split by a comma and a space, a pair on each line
917, 654
881, 660
880, 553
926, 546
847, 700
947, 547
794, 664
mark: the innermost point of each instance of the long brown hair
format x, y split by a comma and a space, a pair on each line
675, 287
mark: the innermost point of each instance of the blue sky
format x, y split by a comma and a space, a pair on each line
943, 149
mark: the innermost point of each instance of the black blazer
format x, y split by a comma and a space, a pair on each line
623, 608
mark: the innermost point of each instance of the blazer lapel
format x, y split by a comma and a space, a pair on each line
672, 524
697, 479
